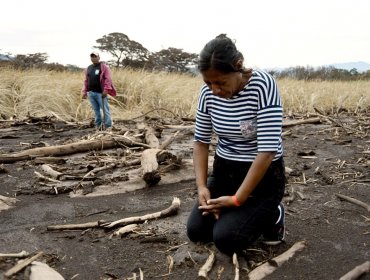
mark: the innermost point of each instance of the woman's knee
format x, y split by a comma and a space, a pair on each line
224, 241
230, 241
198, 230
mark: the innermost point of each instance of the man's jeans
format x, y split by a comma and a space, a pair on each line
99, 103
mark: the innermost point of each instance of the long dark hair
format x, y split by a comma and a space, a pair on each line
220, 54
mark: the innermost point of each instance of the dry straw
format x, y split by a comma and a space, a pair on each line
42, 93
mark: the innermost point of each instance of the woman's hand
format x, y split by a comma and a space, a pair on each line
203, 196
215, 205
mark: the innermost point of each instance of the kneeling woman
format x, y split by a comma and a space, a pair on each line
241, 200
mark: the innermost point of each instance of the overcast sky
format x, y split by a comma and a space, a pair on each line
269, 33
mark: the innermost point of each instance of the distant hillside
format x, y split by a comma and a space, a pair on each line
5, 57
361, 66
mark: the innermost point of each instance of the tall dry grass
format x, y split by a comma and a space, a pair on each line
42, 93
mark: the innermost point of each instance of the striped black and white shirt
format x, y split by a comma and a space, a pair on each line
246, 124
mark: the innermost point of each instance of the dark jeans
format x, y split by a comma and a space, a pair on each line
238, 227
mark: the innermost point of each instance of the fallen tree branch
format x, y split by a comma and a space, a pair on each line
357, 271
18, 267
140, 219
150, 137
298, 122
354, 201
203, 271
330, 119
78, 147
168, 142
76, 226
21, 254
267, 268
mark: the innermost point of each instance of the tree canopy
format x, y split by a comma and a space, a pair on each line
124, 50
129, 53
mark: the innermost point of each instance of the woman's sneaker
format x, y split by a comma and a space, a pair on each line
276, 234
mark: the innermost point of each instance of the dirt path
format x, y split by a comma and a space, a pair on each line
324, 161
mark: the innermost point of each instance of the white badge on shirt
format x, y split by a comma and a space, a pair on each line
97, 72
248, 128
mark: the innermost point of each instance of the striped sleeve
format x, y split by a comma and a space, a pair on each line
269, 115
203, 124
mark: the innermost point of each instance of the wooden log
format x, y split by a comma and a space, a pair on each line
61, 150
150, 166
150, 137
150, 160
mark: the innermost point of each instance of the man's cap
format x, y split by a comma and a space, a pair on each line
94, 54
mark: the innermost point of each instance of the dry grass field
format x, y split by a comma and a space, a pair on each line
41, 93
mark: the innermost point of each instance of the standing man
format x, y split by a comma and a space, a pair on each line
97, 85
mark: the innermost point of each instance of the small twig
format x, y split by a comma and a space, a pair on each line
354, 201
203, 271
191, 258
21, 254
39, 175
176, 247
236, 265
220, 270
157, 109
170, 264
330, 119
